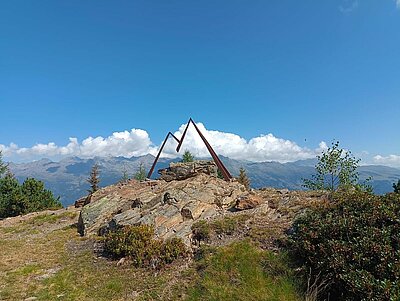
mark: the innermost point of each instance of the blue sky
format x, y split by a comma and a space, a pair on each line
303, 71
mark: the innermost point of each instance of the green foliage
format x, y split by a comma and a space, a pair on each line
396, 187
243, 178
336, 169
201, 231
187, 156
94, 179
16, 199
353, 243
3, 166
140, 175
138, 244
125, 175
243, 272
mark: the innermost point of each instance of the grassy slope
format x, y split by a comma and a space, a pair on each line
41, 255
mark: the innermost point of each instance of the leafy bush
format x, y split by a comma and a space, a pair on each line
18, 199
353, 243
138, 244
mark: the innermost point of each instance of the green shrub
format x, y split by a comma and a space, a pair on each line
354, 244
18, 199
201, 231
139, 245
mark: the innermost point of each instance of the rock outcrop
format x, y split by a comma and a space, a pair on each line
187, 193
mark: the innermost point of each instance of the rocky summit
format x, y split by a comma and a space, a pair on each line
185, 193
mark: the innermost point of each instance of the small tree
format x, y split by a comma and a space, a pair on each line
396, 187
140, 175
3, 166
12, 201
38, 198
125, 176
243, 178
94, 179
336, 169
187, 156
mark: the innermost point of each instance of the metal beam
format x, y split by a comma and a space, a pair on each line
225, 173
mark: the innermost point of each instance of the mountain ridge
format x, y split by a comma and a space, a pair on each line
67, 177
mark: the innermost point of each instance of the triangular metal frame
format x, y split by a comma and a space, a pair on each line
225, 173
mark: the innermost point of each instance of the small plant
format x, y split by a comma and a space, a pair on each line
138, 244
94, 179
396, 187
187, 156
140, 175
243, 178
201, 231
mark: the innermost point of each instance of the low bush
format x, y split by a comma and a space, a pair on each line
139, 245
353, 244
203, 230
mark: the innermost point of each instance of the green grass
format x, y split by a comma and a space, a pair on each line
51, 218
240, 271
243, 272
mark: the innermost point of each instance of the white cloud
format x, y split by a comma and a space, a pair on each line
137, 143
398, 3
391, 160
258, 149
134, 143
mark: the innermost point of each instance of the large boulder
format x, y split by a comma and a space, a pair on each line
184, 170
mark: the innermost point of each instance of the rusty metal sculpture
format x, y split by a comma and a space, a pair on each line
225, 173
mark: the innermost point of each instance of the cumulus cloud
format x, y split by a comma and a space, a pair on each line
127, 143
258, 149
391, 160
137, 142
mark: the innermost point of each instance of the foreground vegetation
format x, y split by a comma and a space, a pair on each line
354, 244
16, 198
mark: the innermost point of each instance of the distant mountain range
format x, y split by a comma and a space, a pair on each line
67, 178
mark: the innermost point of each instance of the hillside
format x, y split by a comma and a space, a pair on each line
238, 261
67, 178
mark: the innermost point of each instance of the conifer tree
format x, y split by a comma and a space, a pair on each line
243, 178
187, 156
3, 166
94, 179
140, 175
396, 187
125, 175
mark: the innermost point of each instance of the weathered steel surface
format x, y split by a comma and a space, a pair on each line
225, 173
